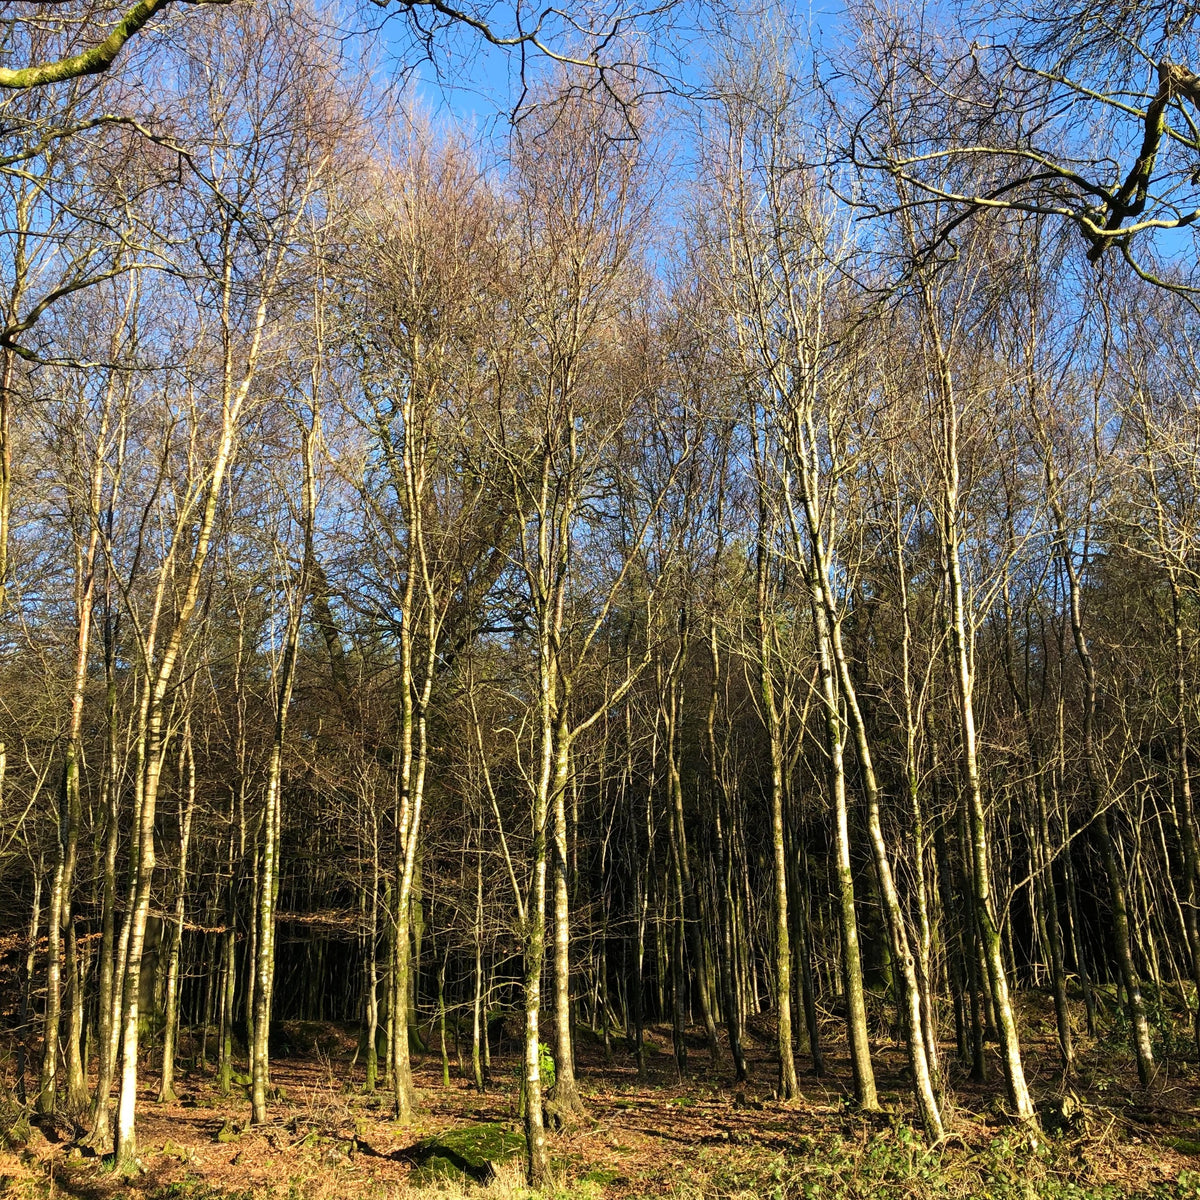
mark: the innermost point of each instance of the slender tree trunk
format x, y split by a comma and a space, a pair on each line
1124, 951
139, 912
478, 1016
1187, 816
566, 1091
985, 918
1116, 881
166, 1091
109, 983
537, 1161
689, 899
1041, 854
372, 963
27, 981
77, 1090
989, 931
923, 959
264, 963
152, 747
852, 982
720, 799
789, 1085
679, 982
829, 632
47, 1100
228, 998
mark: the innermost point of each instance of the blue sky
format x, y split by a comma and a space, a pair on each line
478, 86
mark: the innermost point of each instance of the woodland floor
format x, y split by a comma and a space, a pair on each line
703, 1137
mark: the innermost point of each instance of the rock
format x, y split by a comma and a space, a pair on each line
1062, 1114
228, 1132
470, 1152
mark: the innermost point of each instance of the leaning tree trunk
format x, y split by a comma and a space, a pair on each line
919, 1059
829, 637
153, 748
985, 919
852, 981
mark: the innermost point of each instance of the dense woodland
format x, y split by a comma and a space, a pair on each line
689, 558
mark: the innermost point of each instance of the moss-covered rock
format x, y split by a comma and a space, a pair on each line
229, 1132
470, 1152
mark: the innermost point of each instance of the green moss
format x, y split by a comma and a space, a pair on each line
228, 1132
601, 1175
481, 1144
468, 1152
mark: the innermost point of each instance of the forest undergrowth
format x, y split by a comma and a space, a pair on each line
703, 1138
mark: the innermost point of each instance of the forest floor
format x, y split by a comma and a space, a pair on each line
703, 1137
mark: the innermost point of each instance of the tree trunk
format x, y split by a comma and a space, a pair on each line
689, 898
721, 798
789, 1085
27, 981
852, 982
566, 1091
166, 1091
